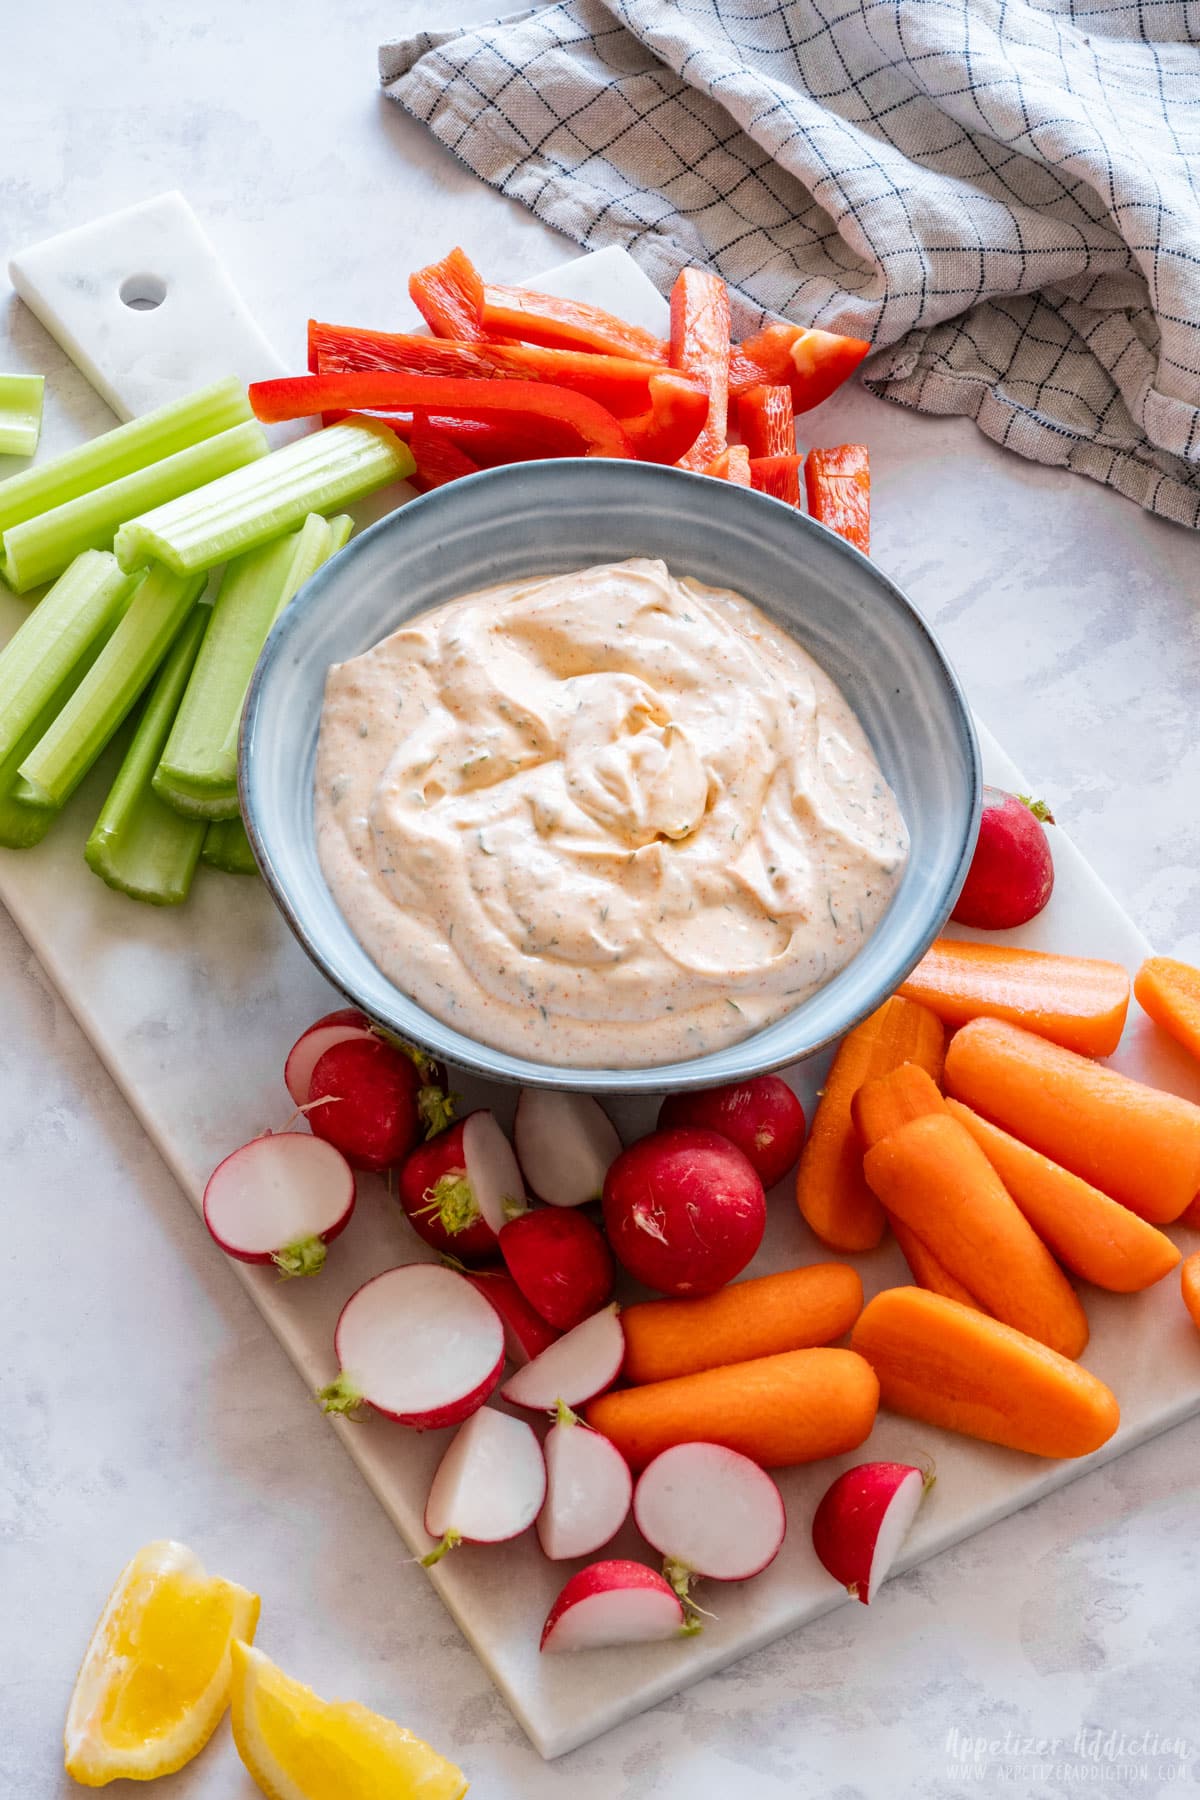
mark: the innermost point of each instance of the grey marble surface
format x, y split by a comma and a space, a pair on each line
145, 1396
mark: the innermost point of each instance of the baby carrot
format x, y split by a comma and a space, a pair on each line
1090, 1234
1170, 992
934, 1177
830, 1190
927, 1271
1189, 1281
945, 1364
777, 1410
772, 1313
1131, 1141
889, 1101
1075, 1001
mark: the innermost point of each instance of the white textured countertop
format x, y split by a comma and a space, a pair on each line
145, 1397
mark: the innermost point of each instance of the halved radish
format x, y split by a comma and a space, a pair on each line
489, 1485
560, 1262
340, 1027
565, 1144
526, 1333
437, 1193
492, 1170
863, 1519
417, 1344
684, 1211
710, 1511
588, 1489
762, 1116
280, 1199
368, 1091
576, 1368
617, 1602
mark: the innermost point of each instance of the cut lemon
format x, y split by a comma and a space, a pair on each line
155, 1679
299, 1747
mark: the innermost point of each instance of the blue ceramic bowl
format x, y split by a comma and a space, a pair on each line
550, 517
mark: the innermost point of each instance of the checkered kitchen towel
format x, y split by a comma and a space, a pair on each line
1003, 195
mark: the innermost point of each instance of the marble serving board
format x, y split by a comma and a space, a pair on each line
193, 1012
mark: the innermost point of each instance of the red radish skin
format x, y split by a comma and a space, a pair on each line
489, 1486
561, 1264
588, 1489
684, 1211
610, 1603
579, 1366
341, 1027
863, 1520
1012, 871
417, 1344
761, 1116
526, 1333
280, 1199
369, 1091
434, 1188
565, 1143
710, 1512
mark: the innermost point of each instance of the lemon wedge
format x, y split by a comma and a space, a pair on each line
299, 1747
155, 1679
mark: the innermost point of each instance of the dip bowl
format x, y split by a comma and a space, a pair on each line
546, 518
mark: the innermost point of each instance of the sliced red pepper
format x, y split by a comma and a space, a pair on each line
297, 397
837, 484
490, 442
438, 458
700, 346
733, 465
449, 297
560, 324
678, 409
616, 382
767, 420
777, 475
812, 363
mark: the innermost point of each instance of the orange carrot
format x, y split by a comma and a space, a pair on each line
927, 1271
1075, 1001
772, 1313
777, 1410
945, 1364
830, 1190
934, 1177
1131, 1141
1189, 1281
886, 1102
1170, 992
1092, 1235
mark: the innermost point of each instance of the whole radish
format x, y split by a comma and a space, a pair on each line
368, 1102
863, 1520
446, 1183
280, 1199
684, 1211
761, 1116
1012, 871
616, 1602
489, 1485
560, 1262
339, 1027
710, 1512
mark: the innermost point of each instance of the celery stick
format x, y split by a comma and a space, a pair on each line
40, 548
82, 606
60, 760
139, 845
20, 413
250, 507
123, 451
227, 847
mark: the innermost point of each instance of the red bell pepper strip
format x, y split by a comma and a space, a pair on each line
560, 324
767, 421
700, 346
678, 410
732, 465
837, 483
490, 442
438, 457
449, 297
812, 363
777, 475
616, 382
596, 431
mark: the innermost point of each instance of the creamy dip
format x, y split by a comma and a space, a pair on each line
607, 818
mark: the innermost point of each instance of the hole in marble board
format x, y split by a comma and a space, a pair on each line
142, 292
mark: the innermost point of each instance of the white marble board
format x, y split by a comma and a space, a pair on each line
193, 1012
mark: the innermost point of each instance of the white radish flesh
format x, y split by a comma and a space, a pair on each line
710, 1511
311, 1045
419, 1345
588, 1490
862, 1521
280, 1199
565, 1144
489, 1485
611, 1603
492, 1171
579, 1366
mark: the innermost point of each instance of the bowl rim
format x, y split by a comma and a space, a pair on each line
523, 1071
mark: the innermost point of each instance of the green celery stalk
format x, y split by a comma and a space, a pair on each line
198, 771
79, 609
240, 511
122, 452
226, 847
139, 845
61, 758
20, 413
40, 548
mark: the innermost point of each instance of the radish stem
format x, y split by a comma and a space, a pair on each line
450, 1541
302, 1259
